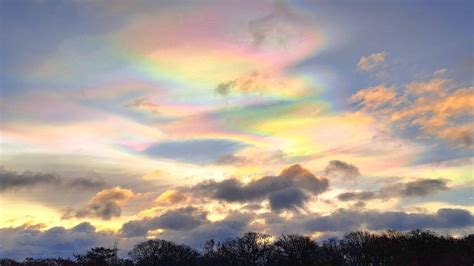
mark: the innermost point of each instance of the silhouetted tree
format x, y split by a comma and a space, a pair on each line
330, 253
98, 256
250, 249
163, 253
48, 262
356, 247
392, 247
295, 250
9, 262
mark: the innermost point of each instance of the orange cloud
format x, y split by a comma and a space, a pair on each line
370, 62
374, 97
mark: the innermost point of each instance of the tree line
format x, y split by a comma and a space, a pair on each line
391, 247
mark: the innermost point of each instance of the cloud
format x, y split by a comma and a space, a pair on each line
290, 198
295, 178
12, 180
435, 85
279, 30
431, 109
344, 220
417, 188
370, 62
21, 242
343, 169
261, 82
440, 72
357, 196
189, 226
438, 112
171, 197
247, 83
225, 87
231, 159
421, 187
194, 151
373, 98
233, 225
106, 204
180, 219
144, 104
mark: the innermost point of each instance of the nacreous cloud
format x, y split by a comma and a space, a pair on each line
289, 190
194, 151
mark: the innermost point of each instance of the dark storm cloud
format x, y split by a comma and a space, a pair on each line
299, 180
417, 188
194, 151
341, 168
344, 220
13, 180
180, 219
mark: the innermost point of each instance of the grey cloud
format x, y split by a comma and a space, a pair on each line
86, 183
106, 204
343, 169
232, 226
295, 177
179, 219
224, 87
422, 187
344, 220
253, 81
290, 198
12, 180
21, 242
417, 188
355, 196
279, 29
230, 159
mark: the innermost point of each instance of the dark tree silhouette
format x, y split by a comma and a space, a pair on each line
295, 250
250, 249
163, 253
330, 253
98, 256
416, 247
48, 262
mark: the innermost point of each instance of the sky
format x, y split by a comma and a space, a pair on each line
191, 120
